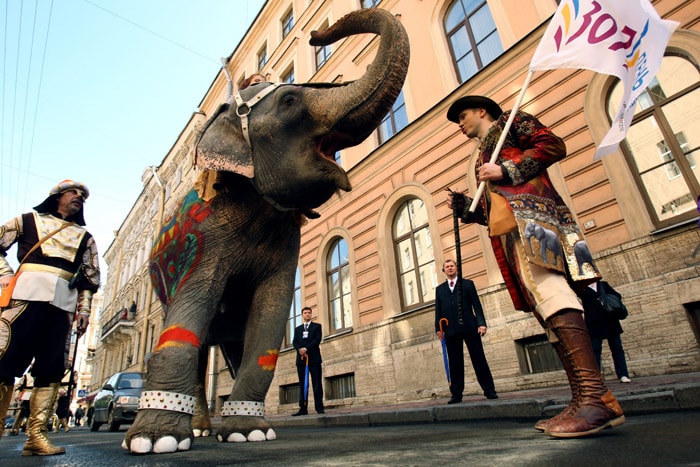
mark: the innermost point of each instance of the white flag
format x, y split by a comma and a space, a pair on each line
623, 38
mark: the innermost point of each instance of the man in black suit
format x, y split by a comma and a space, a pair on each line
307, 339
470, 328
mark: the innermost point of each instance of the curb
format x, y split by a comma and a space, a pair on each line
681, 397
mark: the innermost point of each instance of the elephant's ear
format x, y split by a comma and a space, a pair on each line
221, 146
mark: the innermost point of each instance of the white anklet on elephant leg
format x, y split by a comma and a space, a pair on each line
163, 400
248, 408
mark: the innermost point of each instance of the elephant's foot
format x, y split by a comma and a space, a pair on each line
164, 427
201, 425
244, 421
239, 429
201, 421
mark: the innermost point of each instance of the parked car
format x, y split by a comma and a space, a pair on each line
9, 421
118, 400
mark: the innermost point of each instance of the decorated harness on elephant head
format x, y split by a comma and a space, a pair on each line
243, 109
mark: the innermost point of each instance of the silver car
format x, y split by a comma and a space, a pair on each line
118, 400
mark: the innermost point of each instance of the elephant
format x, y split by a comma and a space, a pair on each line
583, 255
549, 241
224, 267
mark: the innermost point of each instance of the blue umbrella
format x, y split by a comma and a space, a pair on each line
444, 351
306, 382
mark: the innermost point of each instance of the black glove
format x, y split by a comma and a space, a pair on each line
461, 203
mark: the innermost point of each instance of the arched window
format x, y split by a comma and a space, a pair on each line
663, 144
472, 35
338, 286
294, 319
413, 250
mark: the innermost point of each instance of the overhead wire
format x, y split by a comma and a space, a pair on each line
10, 171
2, 119
14, 103
38, 93
150, 31
24, 109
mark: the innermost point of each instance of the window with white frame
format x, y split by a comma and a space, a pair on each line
338, 286
414, 255
663, 142
262, 56
472, 35
287, 23
288, 76
294, 319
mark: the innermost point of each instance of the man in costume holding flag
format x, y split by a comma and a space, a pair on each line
539, 248
536, 248
58, 273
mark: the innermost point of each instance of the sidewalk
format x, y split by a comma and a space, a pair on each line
649, 394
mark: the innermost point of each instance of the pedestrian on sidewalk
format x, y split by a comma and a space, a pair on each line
62, 411
467, 329
307, 341
603, 325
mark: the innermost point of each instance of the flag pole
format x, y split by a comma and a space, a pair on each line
501, 140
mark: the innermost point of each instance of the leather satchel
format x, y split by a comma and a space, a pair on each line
501, 218
6, 292
611, 304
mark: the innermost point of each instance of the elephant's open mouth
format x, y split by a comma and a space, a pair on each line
328, 145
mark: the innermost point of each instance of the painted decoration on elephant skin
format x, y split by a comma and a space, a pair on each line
177, 336
269, 361
179, 247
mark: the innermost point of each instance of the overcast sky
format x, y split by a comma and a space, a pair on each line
97, 90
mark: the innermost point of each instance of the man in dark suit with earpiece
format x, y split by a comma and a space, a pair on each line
307, 339
469, 329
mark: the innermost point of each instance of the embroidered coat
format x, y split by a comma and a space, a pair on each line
546, 226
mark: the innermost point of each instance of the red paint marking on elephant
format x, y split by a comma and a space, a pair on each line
176, 336
269, 361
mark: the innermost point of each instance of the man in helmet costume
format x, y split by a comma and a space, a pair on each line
54, 288
539, 249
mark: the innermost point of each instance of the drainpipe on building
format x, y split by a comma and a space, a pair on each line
149, 290
212, 378
112, 306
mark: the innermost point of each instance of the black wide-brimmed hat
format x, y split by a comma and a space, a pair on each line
473, 102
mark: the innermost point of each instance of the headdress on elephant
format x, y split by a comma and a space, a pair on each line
50, 204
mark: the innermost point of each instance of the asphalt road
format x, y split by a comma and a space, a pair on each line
668, 439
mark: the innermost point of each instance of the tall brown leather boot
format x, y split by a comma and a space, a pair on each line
596, 408
543, 424
6, 391
41, 405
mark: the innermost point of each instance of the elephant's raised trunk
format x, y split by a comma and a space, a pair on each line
356, 109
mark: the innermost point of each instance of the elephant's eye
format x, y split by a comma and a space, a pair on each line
289, 100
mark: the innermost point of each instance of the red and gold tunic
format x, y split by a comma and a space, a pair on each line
546, 229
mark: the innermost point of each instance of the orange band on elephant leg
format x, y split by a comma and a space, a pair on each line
269, 361
177, 336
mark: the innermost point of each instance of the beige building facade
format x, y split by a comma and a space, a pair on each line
369, 265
